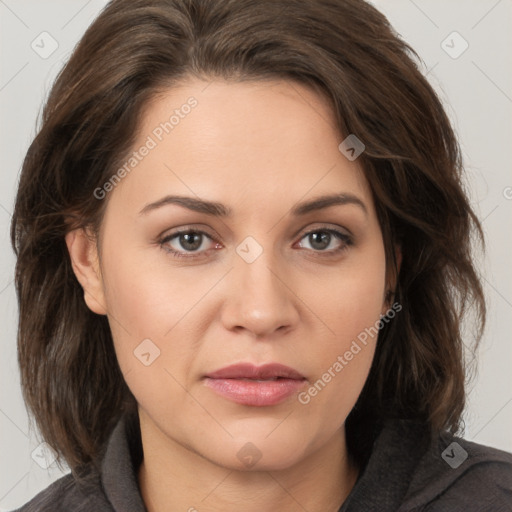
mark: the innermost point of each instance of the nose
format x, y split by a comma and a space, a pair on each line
259, 299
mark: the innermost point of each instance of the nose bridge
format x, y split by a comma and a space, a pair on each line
257, 278
258, 301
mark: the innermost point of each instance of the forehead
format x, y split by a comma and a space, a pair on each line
249, 143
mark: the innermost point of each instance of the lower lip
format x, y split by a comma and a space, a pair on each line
254, 392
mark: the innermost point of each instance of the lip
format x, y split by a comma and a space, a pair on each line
250, 371
257, 386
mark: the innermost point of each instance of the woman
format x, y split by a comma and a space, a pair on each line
243, 262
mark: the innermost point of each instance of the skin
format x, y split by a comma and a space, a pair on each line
259, 148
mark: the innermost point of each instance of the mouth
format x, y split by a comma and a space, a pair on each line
256, 386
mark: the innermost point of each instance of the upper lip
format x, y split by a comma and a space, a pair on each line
251, 371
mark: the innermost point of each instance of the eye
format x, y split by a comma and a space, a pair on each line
193, 243
325, 240
187, 243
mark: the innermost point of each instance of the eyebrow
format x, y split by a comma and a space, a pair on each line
196, 205
328, 200
220, 210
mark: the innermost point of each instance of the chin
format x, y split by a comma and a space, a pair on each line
261, 451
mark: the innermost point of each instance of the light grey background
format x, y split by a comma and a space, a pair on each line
476, 88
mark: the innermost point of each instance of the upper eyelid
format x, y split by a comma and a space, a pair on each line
305, 231
186, 229
325, 227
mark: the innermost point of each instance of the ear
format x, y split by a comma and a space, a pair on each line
83, 251
392, 279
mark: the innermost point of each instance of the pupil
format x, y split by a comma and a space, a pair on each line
190, 241
320, 239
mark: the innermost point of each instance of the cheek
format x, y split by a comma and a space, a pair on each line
144, 298
152, 308
350, 297
140, 319
348, 302
136, 302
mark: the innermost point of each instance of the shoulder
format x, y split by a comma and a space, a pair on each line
70, 495
106, 485
458, 475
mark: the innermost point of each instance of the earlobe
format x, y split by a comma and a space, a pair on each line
83, 253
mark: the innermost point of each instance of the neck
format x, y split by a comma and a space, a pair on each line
173, 477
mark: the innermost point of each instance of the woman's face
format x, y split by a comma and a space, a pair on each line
261, 273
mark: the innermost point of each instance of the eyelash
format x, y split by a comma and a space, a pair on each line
346, 240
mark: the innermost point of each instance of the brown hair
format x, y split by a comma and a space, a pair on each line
344, 49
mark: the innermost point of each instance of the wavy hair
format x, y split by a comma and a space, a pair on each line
346, 51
